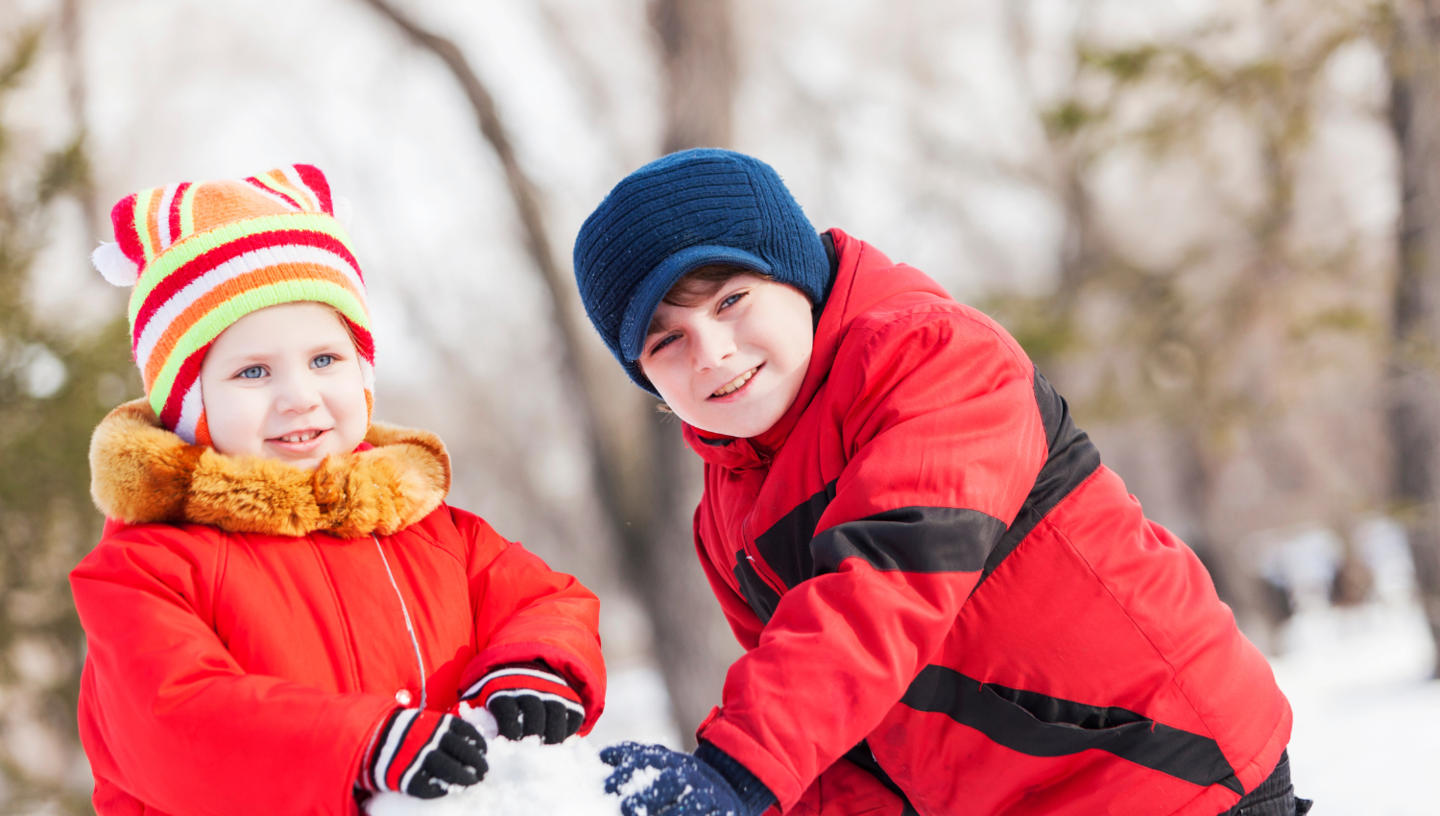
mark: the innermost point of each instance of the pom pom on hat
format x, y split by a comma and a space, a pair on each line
201, 255
114, 265
676, 214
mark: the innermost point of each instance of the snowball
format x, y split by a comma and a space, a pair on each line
525, 778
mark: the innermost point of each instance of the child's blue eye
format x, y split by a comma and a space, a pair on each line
322, 360
731, 300
254, 372
662, 343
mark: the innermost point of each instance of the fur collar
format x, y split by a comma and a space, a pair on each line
140, 472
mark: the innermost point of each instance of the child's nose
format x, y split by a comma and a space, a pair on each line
296, 393
712, 345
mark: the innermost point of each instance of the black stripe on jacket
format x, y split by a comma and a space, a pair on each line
1039, 725
908, 539
920, 539
1071, 460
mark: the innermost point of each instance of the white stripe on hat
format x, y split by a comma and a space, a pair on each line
162, 218
192, 407
250, 261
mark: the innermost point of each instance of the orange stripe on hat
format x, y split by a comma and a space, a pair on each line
152, 220
233, 287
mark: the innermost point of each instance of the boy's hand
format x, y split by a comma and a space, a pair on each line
528, 700
423, 753
706, 783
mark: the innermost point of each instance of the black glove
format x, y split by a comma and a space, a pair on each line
706, 783
528, 700
406, 756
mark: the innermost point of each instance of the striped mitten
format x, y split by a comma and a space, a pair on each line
424, 753
528, 700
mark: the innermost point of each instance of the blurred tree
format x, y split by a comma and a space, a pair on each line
696, 49
54, 383
646, 481
1411, 34
1211, 321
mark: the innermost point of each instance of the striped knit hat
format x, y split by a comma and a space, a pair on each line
201, 255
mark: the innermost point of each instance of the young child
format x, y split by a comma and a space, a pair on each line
948, 604
283, 615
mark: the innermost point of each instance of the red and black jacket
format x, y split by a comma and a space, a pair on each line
948, 604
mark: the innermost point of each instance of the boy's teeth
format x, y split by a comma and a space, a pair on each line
300, 437
734, 385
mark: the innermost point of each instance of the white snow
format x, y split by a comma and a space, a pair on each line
1367, 718
525, 777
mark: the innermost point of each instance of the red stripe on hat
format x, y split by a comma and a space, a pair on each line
187, 375
227, 290
316, 181
122, 219
175, 211
208, 260
255, 181
364, 342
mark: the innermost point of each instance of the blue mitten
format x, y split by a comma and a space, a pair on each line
706, 783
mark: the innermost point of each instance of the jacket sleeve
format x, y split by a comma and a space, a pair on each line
168, 714
938, 417
525, 611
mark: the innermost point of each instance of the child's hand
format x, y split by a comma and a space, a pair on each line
408, 758
527, 701
686, 785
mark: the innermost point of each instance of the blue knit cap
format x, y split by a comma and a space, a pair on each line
679, 213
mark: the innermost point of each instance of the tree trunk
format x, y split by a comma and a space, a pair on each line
1413, 369
697, 58
645, 481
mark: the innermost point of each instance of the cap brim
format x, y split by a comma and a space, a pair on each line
652, 289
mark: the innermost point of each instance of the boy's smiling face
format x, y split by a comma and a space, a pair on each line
730, 360
285, 383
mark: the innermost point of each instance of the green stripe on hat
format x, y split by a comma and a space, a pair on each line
207, 328
192, 247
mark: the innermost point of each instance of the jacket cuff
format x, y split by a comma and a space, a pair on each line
755, 798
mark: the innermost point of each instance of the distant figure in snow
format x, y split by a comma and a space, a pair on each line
948, 604
283, 614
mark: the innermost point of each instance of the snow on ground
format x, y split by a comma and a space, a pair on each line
1367, 719
1367, 713
525, 778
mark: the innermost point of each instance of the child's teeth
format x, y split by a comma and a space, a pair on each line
734, 385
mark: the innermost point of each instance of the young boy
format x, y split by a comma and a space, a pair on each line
283, 615
948, 604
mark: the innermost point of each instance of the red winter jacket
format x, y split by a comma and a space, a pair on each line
934, 575
245, 671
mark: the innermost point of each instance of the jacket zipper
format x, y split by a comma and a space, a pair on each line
758, 563
404, 611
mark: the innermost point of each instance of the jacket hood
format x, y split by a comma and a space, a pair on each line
142, 473
864, 277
